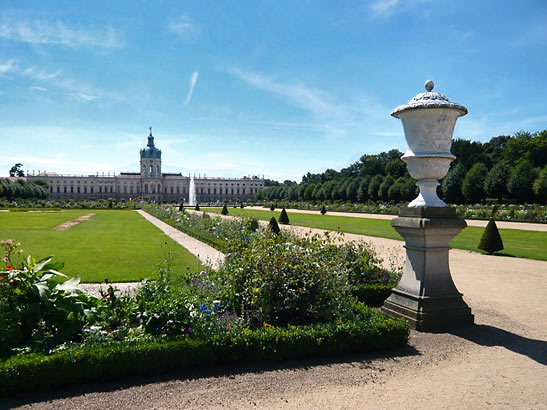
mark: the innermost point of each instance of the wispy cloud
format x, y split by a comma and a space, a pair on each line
308, 98
185, 27
83, 97
41, 89
12, 27
386, 8
193, 81
383, 8
7, 67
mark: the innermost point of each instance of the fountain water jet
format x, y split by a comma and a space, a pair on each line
192, 192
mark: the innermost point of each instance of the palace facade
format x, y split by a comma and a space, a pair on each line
150, 184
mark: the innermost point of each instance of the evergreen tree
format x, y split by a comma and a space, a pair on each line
241, 205
323, 209
383, 189
521, 181
452, 184
473, 183
495, 184
224, 210
181, 206
351, 190
491, 240
373, 186
273, 226
272, 207
284, 218
362, 191
540, 186
197, 207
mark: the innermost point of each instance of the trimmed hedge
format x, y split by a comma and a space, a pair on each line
27, 372
372, 295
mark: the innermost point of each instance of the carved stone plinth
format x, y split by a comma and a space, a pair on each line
426, 294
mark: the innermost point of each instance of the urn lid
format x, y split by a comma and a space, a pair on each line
429, 99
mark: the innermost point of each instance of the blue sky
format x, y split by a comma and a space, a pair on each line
233, 88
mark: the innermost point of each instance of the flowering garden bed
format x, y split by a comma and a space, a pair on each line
276, 297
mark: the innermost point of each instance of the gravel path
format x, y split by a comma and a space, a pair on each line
499, 363
525, 226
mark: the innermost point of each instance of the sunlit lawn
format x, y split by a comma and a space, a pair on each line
522, 244
118, 245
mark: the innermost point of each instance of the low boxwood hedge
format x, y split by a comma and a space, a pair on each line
372, 295
76, 364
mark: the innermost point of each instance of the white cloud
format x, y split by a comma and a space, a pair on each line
83, 97
41, 89
7, 67
15, 28
193, 81
308, 98
185, 27
383, 8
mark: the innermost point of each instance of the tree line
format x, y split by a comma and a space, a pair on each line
505, 169
19, 188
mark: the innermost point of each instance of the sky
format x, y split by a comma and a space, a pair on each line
274, 88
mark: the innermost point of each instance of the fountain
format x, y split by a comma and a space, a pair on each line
192, 192
426, 294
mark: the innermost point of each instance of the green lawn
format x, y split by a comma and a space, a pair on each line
118, 245
518, 243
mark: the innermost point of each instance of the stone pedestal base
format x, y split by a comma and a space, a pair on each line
426, 294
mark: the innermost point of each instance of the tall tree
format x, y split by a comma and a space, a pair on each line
16, 171
521, 181
473, 183
452, 184
495, 184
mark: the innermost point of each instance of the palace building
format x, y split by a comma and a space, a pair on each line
150, 184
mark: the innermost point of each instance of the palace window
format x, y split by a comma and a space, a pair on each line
151, 169
58, 189
125, 189
85, 190
178, 189
172, 189
159, 189
50, 189
131, 189
71, 189
91, 189
64, 189
145, 188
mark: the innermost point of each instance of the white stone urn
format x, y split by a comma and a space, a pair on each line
428, 121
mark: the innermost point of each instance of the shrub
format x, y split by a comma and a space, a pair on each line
272, 207
181, 207
273, 226
196, 207
284, 218
323, 210
224, 210
491, 240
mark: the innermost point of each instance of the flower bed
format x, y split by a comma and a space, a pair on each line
275, 297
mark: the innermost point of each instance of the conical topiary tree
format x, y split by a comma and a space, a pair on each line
197, 207
224, 210
273, 226
284, 218
491, 240
323, 210
272, 207
181, 207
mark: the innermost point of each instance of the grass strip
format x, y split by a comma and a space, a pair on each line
517, 243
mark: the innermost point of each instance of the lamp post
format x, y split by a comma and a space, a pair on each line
426, 294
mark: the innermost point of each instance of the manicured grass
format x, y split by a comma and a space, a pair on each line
119, 245
518, 243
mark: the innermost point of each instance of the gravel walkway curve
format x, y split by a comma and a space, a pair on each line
499, 363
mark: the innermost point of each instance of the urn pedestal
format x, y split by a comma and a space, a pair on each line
426, 295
